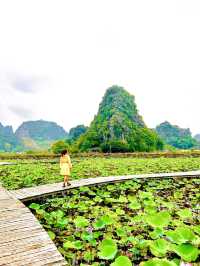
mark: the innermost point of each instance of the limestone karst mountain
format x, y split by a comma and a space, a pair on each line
175, 136
118, 126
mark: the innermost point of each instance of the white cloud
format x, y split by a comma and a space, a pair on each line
21, 112
82, 47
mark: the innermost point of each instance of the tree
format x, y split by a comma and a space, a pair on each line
77, 131
58, 146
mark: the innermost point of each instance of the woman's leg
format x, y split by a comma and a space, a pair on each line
66, 180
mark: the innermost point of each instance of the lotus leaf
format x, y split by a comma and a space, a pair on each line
159, 247
107, 220
158, 262
187, 252
81, 222
134, 205
52, 235
160, 219
122, 261
68, 245
99, 224
87, 236
107, 249
156, 233
34, 206
121, 232
181, 235
185, 213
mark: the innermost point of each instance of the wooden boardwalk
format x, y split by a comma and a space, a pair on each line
6, 163
23, 241
26, 194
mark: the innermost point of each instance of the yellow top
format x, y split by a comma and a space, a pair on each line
65, 159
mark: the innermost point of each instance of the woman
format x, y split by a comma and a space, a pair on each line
65, 166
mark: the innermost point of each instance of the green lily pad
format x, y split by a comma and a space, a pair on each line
159, 247
134, 205
122, 261
34, 206
122, 199
121, 232
119, 211
62, 223
40, 212
185, 213
158, 262
181, 235
88, 256
52, 235
187, 252
107, 220
107, 249
160, 219
145, 195
81, 222
78, 244
99, 224
87, 236
150, 209
156, 233
68, 245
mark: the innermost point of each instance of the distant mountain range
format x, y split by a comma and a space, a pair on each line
177, 137
30, 135
116, 127
36, 135
40, 134
197, 137
8, 140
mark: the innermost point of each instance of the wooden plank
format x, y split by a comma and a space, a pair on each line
23, 241
30, 256
33, 193
6, 163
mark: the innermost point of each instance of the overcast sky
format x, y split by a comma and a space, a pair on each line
57, 58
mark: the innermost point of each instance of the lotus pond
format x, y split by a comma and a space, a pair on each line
152, 222
27, 173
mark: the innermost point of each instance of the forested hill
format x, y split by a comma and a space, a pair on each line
118, 126
40, 130
8, 140
38, 134
30, 135
175, 136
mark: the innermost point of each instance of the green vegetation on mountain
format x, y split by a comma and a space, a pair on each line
41, 130
58, 146
8, 140
77, 131
178, 137
118, 127
197, 138
39, 134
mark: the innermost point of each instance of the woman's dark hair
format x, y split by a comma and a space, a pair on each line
64, 152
